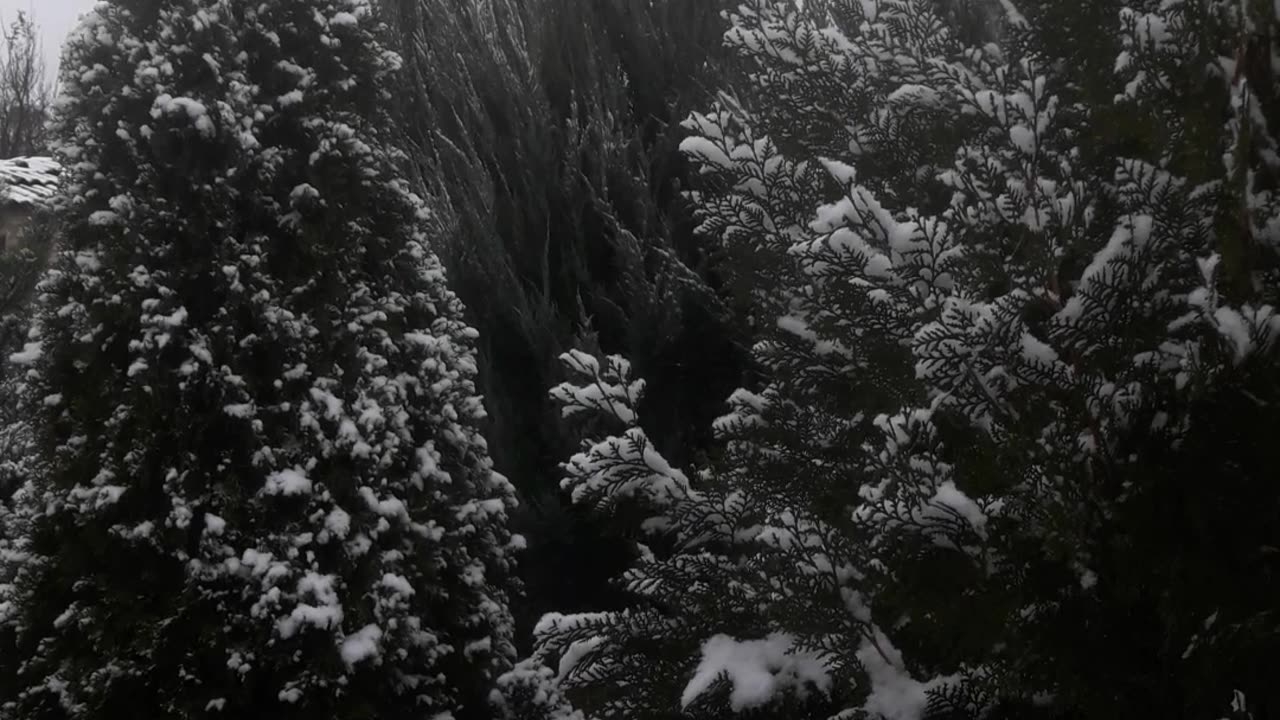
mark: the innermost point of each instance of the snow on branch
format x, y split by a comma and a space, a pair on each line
757, 670
617, 467
608, 389
623, 467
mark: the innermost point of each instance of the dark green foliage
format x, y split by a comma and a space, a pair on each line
549, 128
1010, 458
20, 269
258, 488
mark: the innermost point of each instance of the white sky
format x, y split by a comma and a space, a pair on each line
55, 18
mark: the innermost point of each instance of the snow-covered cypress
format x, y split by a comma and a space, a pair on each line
1019, 330
261, 491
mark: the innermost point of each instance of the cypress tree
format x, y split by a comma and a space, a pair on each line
1009, 457
260, 491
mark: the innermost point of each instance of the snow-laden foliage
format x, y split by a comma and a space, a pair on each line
1019, 336
259, 488
20, 268
529, 691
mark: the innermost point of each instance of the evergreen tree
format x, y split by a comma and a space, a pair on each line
258, 487
1011, 455
547, 134
20, 269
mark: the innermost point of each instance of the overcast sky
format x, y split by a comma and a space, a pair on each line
55, 18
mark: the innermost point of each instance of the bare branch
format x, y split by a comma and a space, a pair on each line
25, 90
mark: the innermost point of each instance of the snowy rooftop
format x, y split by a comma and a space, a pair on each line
28, 180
